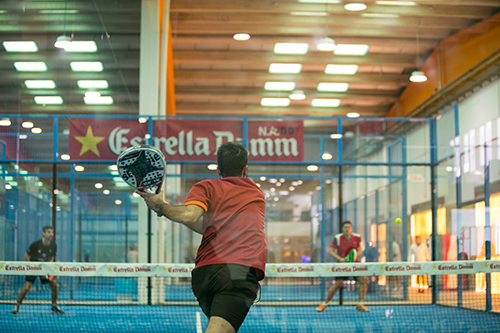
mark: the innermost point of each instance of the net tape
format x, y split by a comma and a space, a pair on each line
272, 270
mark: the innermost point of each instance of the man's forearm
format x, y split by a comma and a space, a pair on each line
179, 214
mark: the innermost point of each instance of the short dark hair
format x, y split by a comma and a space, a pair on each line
47, 227
346, 222
232, 158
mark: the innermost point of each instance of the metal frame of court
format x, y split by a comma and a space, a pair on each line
397, 148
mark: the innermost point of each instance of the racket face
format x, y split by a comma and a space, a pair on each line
142, 167
351, 257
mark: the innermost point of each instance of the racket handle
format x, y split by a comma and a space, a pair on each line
158, 189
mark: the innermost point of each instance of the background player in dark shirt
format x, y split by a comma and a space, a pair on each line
41, 250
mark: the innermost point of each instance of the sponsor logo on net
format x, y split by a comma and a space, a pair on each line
297, 269
403, 268
354, 268
179, 270
77, 269
131, 269
495, 266
450, 267
23, 268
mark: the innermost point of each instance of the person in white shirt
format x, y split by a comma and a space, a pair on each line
132, 254
419, 253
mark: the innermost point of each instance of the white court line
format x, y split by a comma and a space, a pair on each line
198, 322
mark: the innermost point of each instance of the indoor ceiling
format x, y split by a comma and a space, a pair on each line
217, 75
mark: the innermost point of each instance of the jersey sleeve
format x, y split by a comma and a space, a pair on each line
334, 245
199, 195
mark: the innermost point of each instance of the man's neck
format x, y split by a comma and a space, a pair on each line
45, 241
347, 236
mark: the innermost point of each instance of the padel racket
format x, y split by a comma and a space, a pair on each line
351, 256
143, 168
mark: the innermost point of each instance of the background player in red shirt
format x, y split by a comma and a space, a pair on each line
339, 249
231, 258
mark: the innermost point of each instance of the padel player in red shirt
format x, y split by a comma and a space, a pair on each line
341, 245
232, 255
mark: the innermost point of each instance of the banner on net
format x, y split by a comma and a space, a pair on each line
272, 270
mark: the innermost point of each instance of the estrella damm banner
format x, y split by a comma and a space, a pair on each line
186, 139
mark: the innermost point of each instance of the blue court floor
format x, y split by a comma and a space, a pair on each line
265, 319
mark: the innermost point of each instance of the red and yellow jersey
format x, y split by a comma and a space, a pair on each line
233, 223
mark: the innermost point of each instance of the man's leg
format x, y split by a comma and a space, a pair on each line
55, 291
219, 325
331, 292
23, 292
362, 288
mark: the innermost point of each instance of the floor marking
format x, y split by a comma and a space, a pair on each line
198, 322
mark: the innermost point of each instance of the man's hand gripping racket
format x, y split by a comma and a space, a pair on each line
143, 168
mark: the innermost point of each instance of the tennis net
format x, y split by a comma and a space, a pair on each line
461, 296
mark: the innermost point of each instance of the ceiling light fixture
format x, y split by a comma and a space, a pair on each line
396, 3
82, 46
48, 100
418, 76
86, 66
351, 49
99, 100
297, 95
355, 6
330, 86
326, 44
241, 37
92, 94
325, 102
63, 41
275, 102
40, 84
341, 69
291, 48
285, 68
20, 46
286, 86
30, 66
5, 122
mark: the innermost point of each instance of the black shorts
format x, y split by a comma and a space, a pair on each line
43, 279
225, 290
